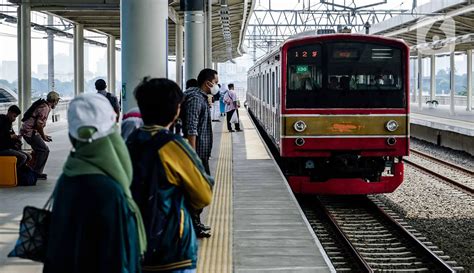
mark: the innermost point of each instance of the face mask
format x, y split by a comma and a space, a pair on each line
214, 89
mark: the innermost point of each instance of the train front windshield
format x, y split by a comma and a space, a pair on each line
345, 75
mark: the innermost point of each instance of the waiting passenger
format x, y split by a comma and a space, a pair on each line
10, 143
169, 180
32, 130
95, 225
197, 127
131, 121
101, 88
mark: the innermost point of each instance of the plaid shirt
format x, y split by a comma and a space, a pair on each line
196, 118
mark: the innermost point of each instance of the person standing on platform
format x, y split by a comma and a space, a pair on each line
197, 127
169, 180
223, 92
10, 143
131, 121
215, 106
101, 87
232, 106
32, 130
95, 225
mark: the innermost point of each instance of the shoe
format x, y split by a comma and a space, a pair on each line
231, 131
239, 130
203, 227
202, 234
42, 176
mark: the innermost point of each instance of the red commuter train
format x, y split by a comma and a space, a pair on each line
336, 107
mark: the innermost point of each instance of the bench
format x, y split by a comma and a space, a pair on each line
8, 175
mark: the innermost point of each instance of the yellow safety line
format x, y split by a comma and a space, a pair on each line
215, 253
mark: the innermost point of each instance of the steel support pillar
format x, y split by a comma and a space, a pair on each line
433, 77
193, 38
143, 54
50, 55
420, 81
209, 34
469, 80
78, 59
24, 55
452, 108
111, 64
179, 53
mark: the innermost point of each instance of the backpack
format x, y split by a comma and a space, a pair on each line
26, 176
146, 168
29, 113
113, 101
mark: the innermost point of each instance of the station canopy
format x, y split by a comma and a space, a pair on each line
434, 24
229, 20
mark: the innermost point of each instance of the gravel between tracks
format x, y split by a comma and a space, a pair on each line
461, 158
444, 217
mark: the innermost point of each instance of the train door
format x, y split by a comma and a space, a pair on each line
273, 105
278, 106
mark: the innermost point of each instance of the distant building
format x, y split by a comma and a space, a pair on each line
9, 71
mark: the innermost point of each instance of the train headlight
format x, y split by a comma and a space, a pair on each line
299, 126
391, 125
299, 142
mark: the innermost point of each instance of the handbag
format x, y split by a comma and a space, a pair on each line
235, 117
34, 230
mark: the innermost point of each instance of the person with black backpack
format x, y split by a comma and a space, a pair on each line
101, 87
32, 130
169, 180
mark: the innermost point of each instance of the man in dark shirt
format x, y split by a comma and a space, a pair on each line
10, 143
101, 88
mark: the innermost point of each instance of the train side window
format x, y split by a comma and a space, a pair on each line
273, 88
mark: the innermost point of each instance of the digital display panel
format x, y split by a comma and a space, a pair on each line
345, 54
301, 69
304, 54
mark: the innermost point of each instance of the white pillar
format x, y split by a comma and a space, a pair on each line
209, 34
193, 39
50, 55
78, 59
452, 108
420, 81
24, 54
469, 80
179, 53
111, 64
433, 78
144, 27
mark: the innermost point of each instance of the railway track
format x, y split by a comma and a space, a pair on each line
360, 235
450, 173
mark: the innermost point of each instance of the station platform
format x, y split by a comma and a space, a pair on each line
438, 126
257, 225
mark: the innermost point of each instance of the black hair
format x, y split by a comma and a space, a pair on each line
100, 85
206, 74
230, 85
14, 109
191, 83
158, 100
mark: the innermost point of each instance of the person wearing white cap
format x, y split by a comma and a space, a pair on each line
95, 224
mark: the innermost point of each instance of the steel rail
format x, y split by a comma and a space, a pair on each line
452, 165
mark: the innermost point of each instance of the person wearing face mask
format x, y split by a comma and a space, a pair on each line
197, 126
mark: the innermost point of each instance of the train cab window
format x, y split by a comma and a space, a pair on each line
304, 77
366, 75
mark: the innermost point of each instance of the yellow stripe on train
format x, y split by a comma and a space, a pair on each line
343, 125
